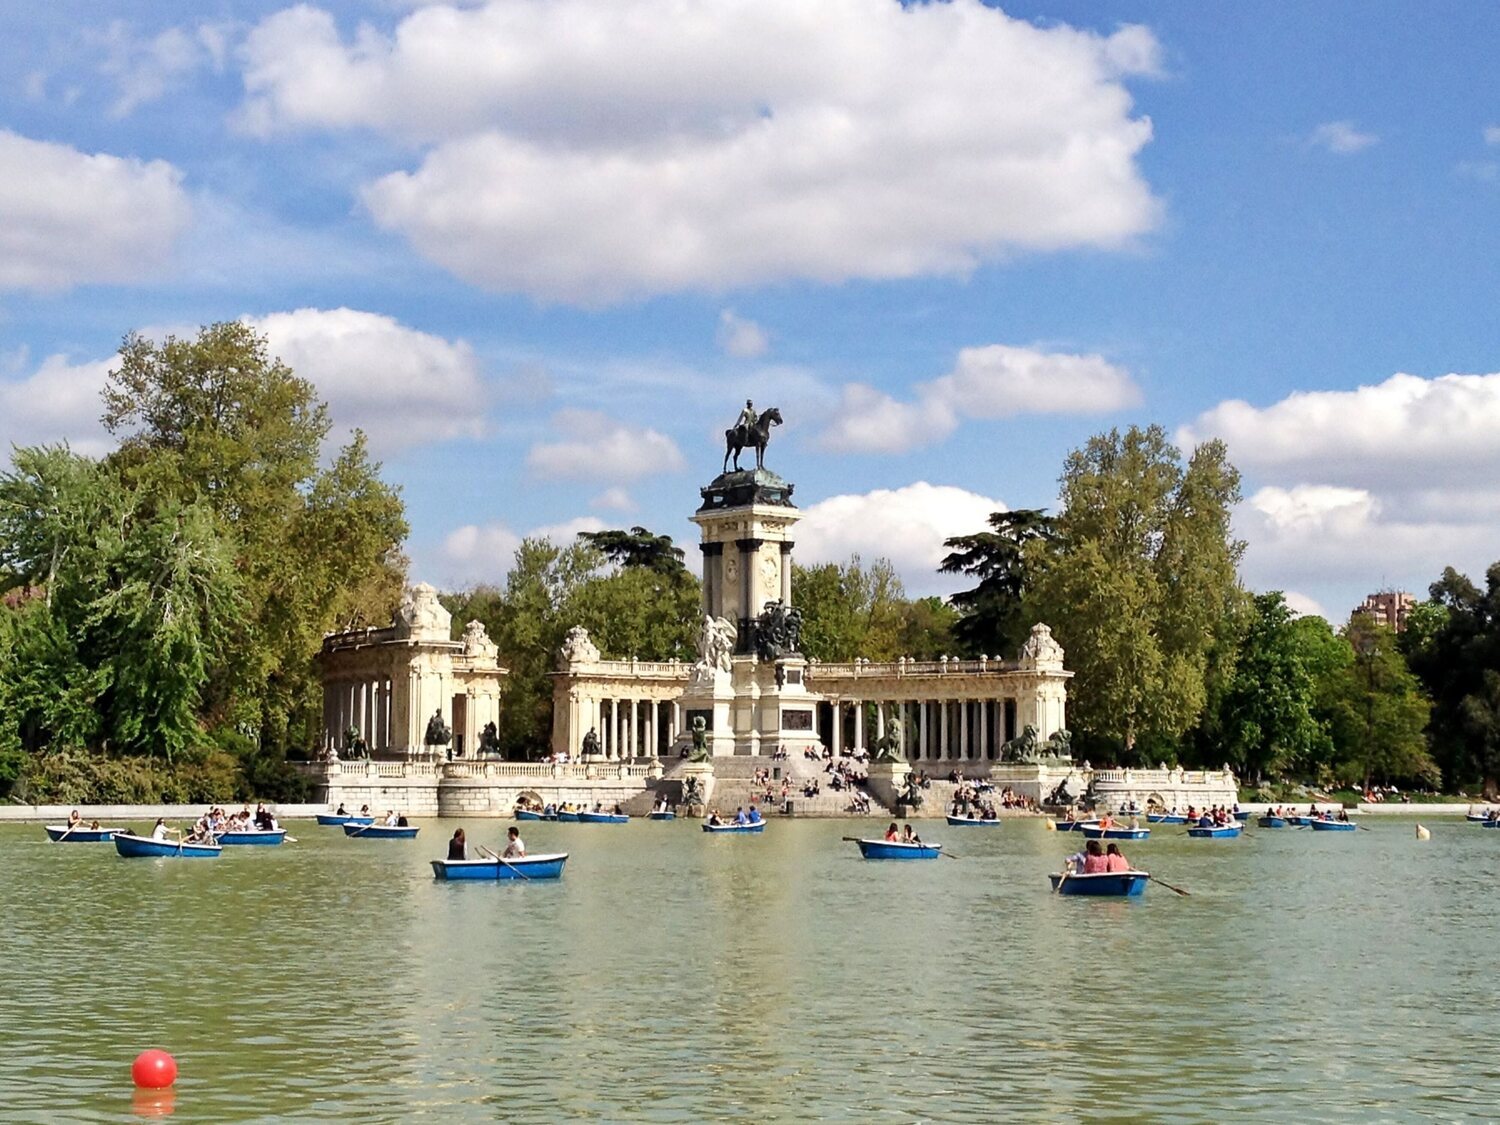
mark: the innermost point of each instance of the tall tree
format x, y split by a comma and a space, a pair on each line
1140, 570
217, 420
851, 611
1380, 712
637, 548
992, 619
1266, 715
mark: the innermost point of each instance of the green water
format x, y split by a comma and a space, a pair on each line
675, 976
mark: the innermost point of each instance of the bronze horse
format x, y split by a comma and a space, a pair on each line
738, 438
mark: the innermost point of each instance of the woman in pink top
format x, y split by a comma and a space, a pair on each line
1094, 862
1114, 861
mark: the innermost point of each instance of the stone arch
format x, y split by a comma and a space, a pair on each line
529, 798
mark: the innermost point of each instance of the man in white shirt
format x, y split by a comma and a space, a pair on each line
516, 847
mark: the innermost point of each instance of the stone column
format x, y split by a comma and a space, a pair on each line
838, 726
674, 722
652, 745
859, 725
922, 740
963, 729
946, 746
786, 572
632, 738
984, 728
612, 748
901, 730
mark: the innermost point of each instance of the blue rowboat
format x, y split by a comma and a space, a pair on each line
59, 832
1072, 825
1333, 826
1241, 815
1165, 818
1272, 822
1477, 816
532, 867
381, 831
758, 826
669, 815
525, 814
884, 849
973, 821
1489, 824
256, 836
1119, 884
602, 818
568, 817
1218, 832
1094, 832
1299, 821
338, 820
130, 845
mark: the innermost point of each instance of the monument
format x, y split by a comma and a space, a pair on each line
749, 683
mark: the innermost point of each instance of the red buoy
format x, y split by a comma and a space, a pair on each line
154, 1070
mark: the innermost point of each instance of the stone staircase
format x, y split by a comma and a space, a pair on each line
733, 788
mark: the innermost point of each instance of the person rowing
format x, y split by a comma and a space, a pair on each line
515, 847
160, 832
391, 819
911, 837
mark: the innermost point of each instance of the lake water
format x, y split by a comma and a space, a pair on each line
674, 976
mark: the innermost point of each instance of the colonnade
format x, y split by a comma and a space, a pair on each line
928, 729
630, 727
365, 705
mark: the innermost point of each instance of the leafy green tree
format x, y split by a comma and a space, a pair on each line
992, 618
929, 628
1452, 642
217, 420
1266, 715
640, 612
850, 611
637, 548
1135, 581
1380, 712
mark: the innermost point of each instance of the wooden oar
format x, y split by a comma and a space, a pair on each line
64, 836
502, 859
1169, 886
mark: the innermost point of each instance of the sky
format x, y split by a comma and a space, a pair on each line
542, 251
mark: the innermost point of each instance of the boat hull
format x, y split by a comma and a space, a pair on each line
883, 849
735, 829
1272, 822
1165, 818
338, 820
1241, 815
973, 822
525, 814
602, 818
59, 833
381, 831
1219, 832
1072, 825
1332, 826
491, 870
568, 818
263, 839
661, 816
1114, 884
1094, 832
136, 847
1489, 824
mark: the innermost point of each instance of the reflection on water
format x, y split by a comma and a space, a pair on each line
675, 976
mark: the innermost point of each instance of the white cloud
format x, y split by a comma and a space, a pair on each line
1340, 137
596, 150
1303, 606
58, 402
741, 338
905, 525
995, 381
147, 68
595, 446
478, 553
67, 217
1405, 432
613, 500
401, 386
1492, 134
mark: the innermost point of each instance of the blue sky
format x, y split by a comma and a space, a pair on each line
543, 252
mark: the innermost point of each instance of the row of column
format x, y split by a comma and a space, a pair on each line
633, 728
364, 705
929, 730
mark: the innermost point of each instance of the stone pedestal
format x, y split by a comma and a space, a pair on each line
888, 780
703, 773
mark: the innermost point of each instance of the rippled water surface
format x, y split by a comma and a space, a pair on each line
674, 976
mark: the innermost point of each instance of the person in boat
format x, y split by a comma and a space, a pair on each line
391, 820
713, 818
1094, 862
1114, 859
364, 810
893, 834
1074, 863
910, 837
160, 831
1106, 821
740, 817
75, 819
515, 847
754, 817
340, 810
1343, 816
1205, 821
458, 846
401, 821
617, 810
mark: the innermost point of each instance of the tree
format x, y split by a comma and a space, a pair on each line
1135, 581
216, 420
1380, 713
637, 548
849, 611
1266, 716
992, 619
1452, 642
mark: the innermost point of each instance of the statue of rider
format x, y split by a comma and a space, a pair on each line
747, 418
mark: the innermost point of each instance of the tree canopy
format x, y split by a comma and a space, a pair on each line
992, 618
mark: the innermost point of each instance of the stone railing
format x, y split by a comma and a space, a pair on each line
495, 770
909, 667
1161, 777
668, 669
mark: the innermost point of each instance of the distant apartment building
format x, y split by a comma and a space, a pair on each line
1389, 607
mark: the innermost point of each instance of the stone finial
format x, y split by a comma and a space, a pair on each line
1041, 653
477, 642
577, 648
421, 617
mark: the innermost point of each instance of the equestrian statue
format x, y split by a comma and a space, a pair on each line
750, 431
